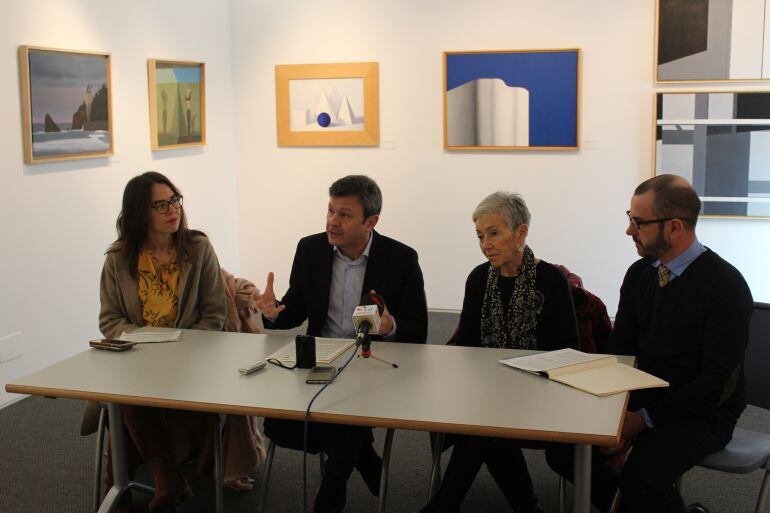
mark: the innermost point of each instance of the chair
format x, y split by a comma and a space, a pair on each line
316, 450
101, 431
748, 450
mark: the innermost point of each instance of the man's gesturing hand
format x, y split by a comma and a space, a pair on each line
266, 302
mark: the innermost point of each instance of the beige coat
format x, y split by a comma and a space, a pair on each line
241, 306
243, 445
202, 303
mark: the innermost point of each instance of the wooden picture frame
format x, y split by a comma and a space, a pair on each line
177, 94
512, 100
327, 104
66, 104
716, 140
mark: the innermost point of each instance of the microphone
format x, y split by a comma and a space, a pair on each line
366, 319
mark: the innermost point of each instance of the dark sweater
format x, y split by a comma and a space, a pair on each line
556, 324
692, 333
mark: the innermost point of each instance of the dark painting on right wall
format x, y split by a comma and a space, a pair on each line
712, 40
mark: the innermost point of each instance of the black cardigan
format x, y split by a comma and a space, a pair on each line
692, 333
556, 324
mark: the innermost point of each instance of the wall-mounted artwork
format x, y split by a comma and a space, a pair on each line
719, 142
712, 40
65, 102
512, 100
327, 104
177, 104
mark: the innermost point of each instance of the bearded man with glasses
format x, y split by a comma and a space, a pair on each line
684, 312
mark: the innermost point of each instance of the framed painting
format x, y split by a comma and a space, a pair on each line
512, 100
719, 142
177, 104
712, 40
65, 104
327, 104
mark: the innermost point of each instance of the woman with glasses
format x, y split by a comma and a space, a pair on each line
160, 273
514, 301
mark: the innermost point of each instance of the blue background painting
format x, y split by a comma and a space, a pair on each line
550, 77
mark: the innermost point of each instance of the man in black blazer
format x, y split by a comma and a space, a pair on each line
331, 272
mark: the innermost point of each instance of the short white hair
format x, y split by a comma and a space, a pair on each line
510, 205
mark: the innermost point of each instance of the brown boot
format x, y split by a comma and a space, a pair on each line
124, 503
170, 489
145, 426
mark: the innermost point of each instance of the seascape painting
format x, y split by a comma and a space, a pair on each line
177, 104
67, 104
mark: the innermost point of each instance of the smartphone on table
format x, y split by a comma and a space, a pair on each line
111, 344
320, 375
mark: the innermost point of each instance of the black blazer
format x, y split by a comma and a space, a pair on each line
392, 270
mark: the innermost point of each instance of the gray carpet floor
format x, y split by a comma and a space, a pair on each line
46, 467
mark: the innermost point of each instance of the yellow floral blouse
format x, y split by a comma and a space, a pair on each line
158, 289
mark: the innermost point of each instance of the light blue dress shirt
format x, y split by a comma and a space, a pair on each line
345, 294
680, 263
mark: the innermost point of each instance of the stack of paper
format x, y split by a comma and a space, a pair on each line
144, 337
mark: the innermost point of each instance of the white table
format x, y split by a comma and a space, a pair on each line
436, 388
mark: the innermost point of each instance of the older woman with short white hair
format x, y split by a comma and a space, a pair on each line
515, 301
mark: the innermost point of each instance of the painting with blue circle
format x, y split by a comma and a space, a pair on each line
521, 100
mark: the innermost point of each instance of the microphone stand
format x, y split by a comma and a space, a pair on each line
366, 349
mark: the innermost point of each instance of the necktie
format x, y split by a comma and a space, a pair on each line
663, 275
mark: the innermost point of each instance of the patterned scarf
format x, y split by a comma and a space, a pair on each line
514, 326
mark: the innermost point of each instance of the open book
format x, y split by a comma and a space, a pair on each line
598, 374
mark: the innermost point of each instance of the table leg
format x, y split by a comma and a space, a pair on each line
385, 469
118, 451
218, 464
581, 501
435, 474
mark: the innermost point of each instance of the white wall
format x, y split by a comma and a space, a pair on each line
577, 199
57, 219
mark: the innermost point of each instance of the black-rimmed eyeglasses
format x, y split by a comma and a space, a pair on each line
163, 205
641, 222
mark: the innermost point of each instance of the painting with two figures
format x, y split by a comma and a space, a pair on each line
177, 104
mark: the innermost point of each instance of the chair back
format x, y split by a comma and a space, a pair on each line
594, 325
756, 364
